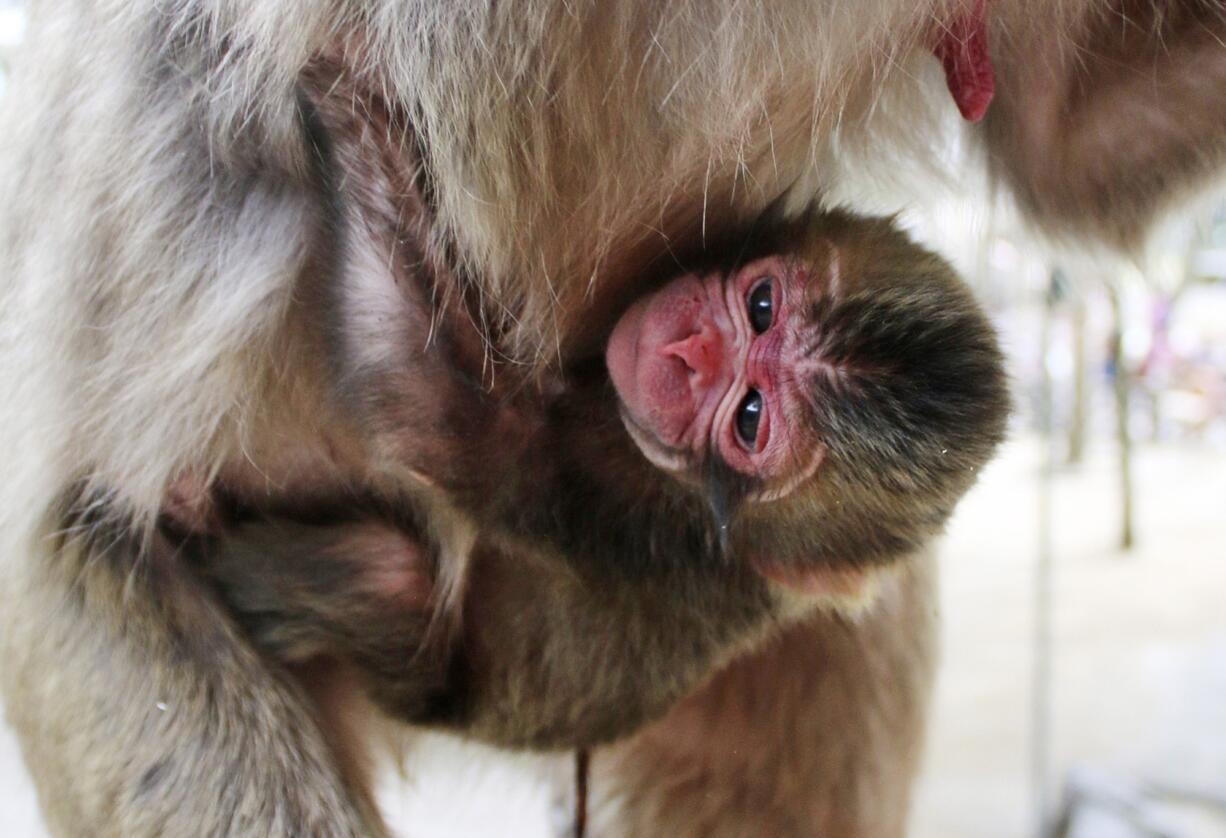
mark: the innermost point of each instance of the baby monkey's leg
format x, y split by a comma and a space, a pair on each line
360, 592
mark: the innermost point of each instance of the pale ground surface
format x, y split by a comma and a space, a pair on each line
1139, 675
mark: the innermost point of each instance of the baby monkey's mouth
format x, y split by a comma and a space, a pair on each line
677, 462
842, 584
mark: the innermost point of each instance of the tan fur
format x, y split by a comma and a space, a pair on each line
157, 224
818, 733
1103, 138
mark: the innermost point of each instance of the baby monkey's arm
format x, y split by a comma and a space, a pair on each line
358, 591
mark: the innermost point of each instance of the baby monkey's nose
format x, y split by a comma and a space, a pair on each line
702, 352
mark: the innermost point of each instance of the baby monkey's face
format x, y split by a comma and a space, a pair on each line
840, 373
715, 365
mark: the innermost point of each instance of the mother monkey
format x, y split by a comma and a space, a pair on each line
160, 210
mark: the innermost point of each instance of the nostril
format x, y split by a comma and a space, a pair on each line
699, 352
685, 351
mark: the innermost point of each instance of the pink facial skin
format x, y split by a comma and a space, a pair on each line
684, 359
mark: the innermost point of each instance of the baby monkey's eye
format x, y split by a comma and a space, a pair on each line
747, 417
760, 311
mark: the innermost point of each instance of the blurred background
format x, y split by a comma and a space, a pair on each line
1083, 580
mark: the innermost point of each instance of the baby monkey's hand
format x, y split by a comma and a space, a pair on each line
359, 592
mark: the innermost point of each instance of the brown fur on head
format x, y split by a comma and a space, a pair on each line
908, 397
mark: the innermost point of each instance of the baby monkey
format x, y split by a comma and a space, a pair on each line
796, 411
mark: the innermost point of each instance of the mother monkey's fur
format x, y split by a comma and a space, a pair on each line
159, 213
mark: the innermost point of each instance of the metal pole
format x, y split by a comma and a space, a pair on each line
1123, 433
1079, 418
1040, 688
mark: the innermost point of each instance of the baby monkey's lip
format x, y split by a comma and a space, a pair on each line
843, 583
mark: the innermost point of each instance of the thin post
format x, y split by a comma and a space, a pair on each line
1040, 685
1123, 433
1079, 418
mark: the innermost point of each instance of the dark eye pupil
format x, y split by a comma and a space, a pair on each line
760, 313
747, 417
